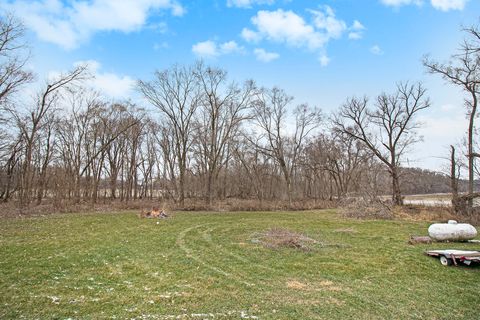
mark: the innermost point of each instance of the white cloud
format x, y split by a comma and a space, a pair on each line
399, 3
205, 49
113, 85
160, 27
446, 5
230, 47
356, 31
210, 49
250, 36
324, 60
291, 29
107, 83
265, 56
355, 35
247, 3
285, 27
443, 5
326, 20
158, 46
70, 24
376, 50
357, 25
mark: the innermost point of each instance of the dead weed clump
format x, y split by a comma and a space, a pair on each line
424, 213
235, 204
277, 238
364, 208
103, 205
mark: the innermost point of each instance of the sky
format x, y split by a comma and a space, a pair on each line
320, 52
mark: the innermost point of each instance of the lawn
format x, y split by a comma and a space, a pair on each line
213, 266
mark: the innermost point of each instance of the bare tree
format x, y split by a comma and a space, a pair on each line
454, 175
176, 93
115, 151
223, 107
255, 170
11, 158
148, 157
388, 129
13, 75
271, 118
13, 57
167, 164
34, 118
464, 71
45, 154
134, 135
72, 135
344, 159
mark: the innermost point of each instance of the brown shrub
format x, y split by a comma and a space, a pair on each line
364, 208
433, 213
50, 206
423, 213
277, 238
235, 204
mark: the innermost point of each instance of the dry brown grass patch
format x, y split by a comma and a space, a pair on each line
324, 285
423, 213
366, 208
335, 301
297, 285
277, 238
345, 230
329, 286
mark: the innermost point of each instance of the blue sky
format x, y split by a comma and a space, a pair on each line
321, 52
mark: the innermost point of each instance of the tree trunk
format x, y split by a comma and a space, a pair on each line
286, 175
208, 198
113, 187
26, 179
396, 192
182, 187
471, 156
41, 187
456, 203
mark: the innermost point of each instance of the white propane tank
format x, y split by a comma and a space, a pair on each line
452, 231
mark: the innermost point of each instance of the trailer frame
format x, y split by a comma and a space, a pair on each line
453, 256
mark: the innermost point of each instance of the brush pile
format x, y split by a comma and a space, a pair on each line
276, 238
154, 213
366, 208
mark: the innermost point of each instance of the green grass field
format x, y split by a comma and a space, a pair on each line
212, 266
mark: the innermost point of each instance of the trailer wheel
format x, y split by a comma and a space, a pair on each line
445, 261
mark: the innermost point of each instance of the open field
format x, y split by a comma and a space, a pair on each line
430, 196
429, 200
213, 266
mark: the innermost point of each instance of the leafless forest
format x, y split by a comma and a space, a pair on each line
195, 136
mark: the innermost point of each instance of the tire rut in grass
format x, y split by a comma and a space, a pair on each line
197, 258
206, 234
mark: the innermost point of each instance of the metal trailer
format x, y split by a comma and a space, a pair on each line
451, 256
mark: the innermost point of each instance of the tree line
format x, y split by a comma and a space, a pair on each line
202, 136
